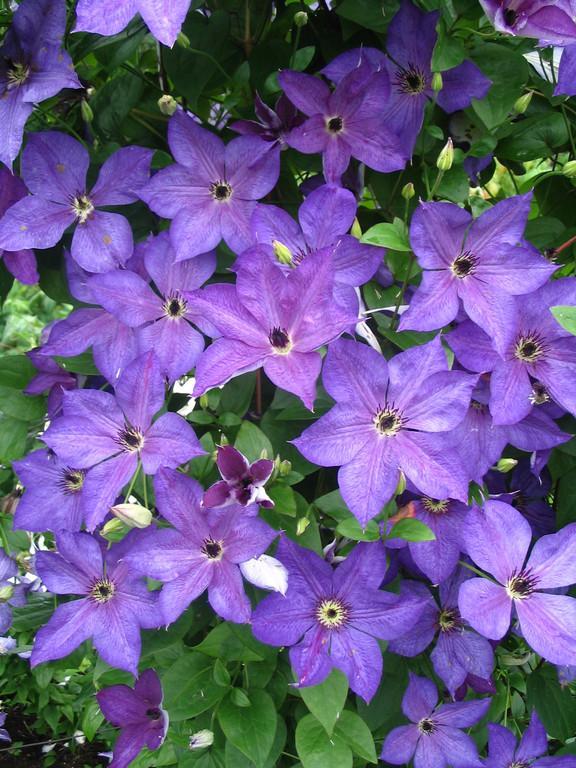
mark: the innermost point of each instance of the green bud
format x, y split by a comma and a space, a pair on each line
167, 104
522, 104
437, 82
408, 191
300, 19
401, 487
6, 593
356, 229
446, 157
201, 739
86, 111
506, 465
282, 253
183, 40
301, 525
132, 515
569, 169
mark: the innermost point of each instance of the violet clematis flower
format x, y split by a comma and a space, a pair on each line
479, 264
163, 319
164, 18
532, 751
346, 123
242, 483
273, 124
21, 263
4, 735
497, 539
334, 618
139, 715
274, 320
434, 739
203, 551
54, 168
53, 497
114, 606
50, 378
537, 364
212, 189
114, 435
410, 43
33, 67
552, 22
459, 651
389, 417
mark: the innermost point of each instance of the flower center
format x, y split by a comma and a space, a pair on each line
72, 480
280, 340
539, 394
212, 549
131, 439
83, 208
331, 613
528, 349
175, 306
464, 265
221, 191
426, 726
411, 81
434, 506
17, 75
154, 714
521, 585
449, 620
334, 124
103, 591
388, 422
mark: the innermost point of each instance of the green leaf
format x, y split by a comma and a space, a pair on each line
394, 236
354, 731
566, 316
556, 706
189, 687
411, 529
316, 749
251, 729
252, 442
326, 700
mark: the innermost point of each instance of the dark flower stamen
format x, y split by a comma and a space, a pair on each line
426, 726
212, 549
464, 265
521, 585
280, 340
335, 124
72, 480
331, 613
221, 191
131, 439
103, 591
175, 306
388, 421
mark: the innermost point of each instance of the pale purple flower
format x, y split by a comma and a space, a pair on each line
390, 417
435, 738
504, 751
203, 551
497, 538
212, 189
333, 618
139, 715
54, 168
242, 483
21, 263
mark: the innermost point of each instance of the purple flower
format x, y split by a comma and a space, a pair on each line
410, 43
202, 551
497, 539
4, 735
334, 618
21, 263
114, 435
435, 739
537, 364
212, 189
479, 263
272, 124
274, 320
54, 167
163, 318
164, 18
348, 122
504, 750
115, 602
33, 67
139, 715
53, 497
242, 483
553, 22
384, 421
459, 651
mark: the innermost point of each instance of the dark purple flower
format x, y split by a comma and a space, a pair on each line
334, 618
242, 483
435, 739
479, 264
33, 67
203, 551
552, 22
388, 418
164, 18
4, 735
459, 651
54, 168
272, 124
21, 263
212, 189
114, 606
139, 715
497, 539
346, 123
114, 434
532, 751
164, 318
410, 43
272, 320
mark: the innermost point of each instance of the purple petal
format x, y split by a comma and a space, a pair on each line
486, 607
122, 176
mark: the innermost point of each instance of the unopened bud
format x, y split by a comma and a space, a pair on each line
201, 740
301, 525
408, 191
437, 82
167, 104
132, 515
446, 157
282, 252
183, 40
569, 169
522, 104
505, 465
300, 19
401, 487
6, 593
86, 111
356, 230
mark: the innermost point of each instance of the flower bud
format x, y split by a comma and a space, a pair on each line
522, 104
282, 253
86, 111
167, 104
183, 40
569, 169
301, 525
437, 82
132, 515
300, 19
6, 593
356, 229
446, 157
505, 465
201, 739
408, 191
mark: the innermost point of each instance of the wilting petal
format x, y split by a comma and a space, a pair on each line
486, 607
548, 623
169, 442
